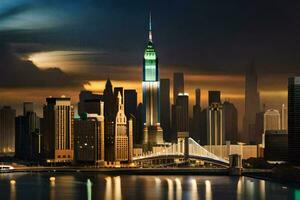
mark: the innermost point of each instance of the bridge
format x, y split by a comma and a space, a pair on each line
185, 150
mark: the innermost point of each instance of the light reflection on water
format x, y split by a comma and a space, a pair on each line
94, 186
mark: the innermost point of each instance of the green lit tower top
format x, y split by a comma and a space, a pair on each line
150, 67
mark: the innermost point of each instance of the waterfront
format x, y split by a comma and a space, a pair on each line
98, 186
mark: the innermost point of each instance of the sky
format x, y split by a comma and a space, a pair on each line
54, 47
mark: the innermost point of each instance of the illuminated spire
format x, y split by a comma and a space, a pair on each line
150, 28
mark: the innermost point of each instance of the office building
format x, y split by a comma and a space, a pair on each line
89, 137
165, 113
7, 130
272, 120
178, 85
251, 104
57, 130
294, 120
153, 133
231, 125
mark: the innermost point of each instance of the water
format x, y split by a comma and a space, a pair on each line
96, 186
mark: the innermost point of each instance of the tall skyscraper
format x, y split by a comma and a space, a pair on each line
231, 122
109, 121
180, 115
251, 103
57, 130
89, 102
28, 137
153, 133
7, 130
284, 117
196, 122
294, 120
165, 108
89, 137
178, 85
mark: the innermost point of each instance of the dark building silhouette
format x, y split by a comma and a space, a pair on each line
109, 102
109, 121
203, 124
251, 104
89, 102
294, 120
196, 121
214, 97
165, 108
130, 102
178, 85
138, 136
231, 122
259, 129
28, 137
7, 130
180, 115
276, 145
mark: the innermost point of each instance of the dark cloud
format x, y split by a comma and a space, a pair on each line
15, 72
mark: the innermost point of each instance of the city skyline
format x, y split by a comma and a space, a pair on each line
84, 59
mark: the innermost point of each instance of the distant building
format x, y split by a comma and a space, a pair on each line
259, 128
284, 117
7, 130
28, 137
196, 121
251, 104
89, 102
271, 121
214, 97
89, 137
215, 125
294, 120
130, 102
276, 145
231, 122
203, 125
138, 136
180, 114
165, 108
57, 130
118, 90
178, 85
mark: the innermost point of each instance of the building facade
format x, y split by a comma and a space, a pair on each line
57, 130
89, 137
178, 85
